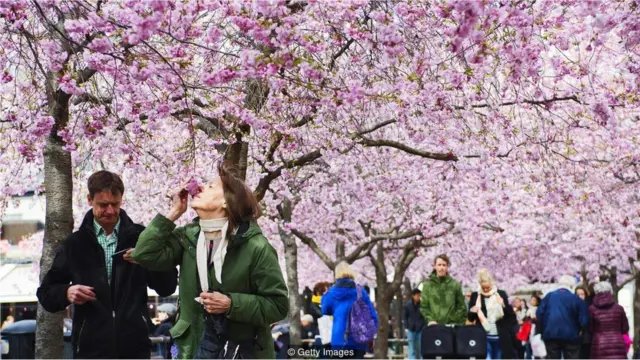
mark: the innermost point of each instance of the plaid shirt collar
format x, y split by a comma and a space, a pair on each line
100, 230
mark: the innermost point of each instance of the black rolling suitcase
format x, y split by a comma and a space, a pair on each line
438, 342
471, 342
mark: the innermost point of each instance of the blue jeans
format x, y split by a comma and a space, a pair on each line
493, 348
414, 340
528, 352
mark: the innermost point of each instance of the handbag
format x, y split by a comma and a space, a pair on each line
214, 343
325, 328
537, 346
525, 330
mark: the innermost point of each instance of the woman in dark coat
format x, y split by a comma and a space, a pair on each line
505, 325
585, 347
607, 323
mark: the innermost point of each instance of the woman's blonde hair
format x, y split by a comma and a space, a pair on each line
485, 276
343, 270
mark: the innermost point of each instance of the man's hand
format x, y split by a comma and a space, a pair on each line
474, 309
215, 302
431, 323
80, 294
127, 256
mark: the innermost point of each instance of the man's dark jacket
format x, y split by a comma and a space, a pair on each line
413, 320
561, 316
116, 325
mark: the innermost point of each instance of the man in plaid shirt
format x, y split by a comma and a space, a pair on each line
93, 271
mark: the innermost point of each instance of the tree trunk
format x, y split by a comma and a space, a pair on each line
382, 306
291, 259
256, 93
381, 349
407, 287
399, 333
58, 225
613, 279
238, 152
340, 252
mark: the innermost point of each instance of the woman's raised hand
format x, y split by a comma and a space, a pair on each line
179, 201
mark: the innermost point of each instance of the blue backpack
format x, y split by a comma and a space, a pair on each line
360, 324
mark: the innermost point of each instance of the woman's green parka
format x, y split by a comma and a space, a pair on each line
251, 277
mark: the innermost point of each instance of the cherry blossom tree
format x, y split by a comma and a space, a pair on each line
515, 121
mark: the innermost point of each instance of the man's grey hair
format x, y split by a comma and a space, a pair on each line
567, 280
603, 287
307, 318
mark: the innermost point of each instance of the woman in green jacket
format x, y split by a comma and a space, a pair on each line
227, 266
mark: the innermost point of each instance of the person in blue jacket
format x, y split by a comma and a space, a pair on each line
337, 303
561, 318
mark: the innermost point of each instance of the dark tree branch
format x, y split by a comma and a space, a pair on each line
211, 125
265, 182
492, 227
315, 248
628, 280
274, 146
375, 127
302, 122
396, 237
339, 53
532, 102
77, 100
397, 145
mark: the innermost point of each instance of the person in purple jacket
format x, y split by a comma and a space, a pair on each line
561, 318
608, 323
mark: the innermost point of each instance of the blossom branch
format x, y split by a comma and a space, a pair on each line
303, 160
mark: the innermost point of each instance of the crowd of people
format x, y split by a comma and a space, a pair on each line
232, 290
564, 324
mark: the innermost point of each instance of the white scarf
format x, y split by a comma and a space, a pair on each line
202, 250
494, 309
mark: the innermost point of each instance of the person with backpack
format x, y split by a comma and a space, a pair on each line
355, 321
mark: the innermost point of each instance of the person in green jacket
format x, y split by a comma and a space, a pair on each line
227, 266
442, 300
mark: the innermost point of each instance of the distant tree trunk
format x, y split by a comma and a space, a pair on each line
291, 259
238, 152
383, 309
340, 251
613, 279
58, 183
383, 302
407, 288
399, 333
